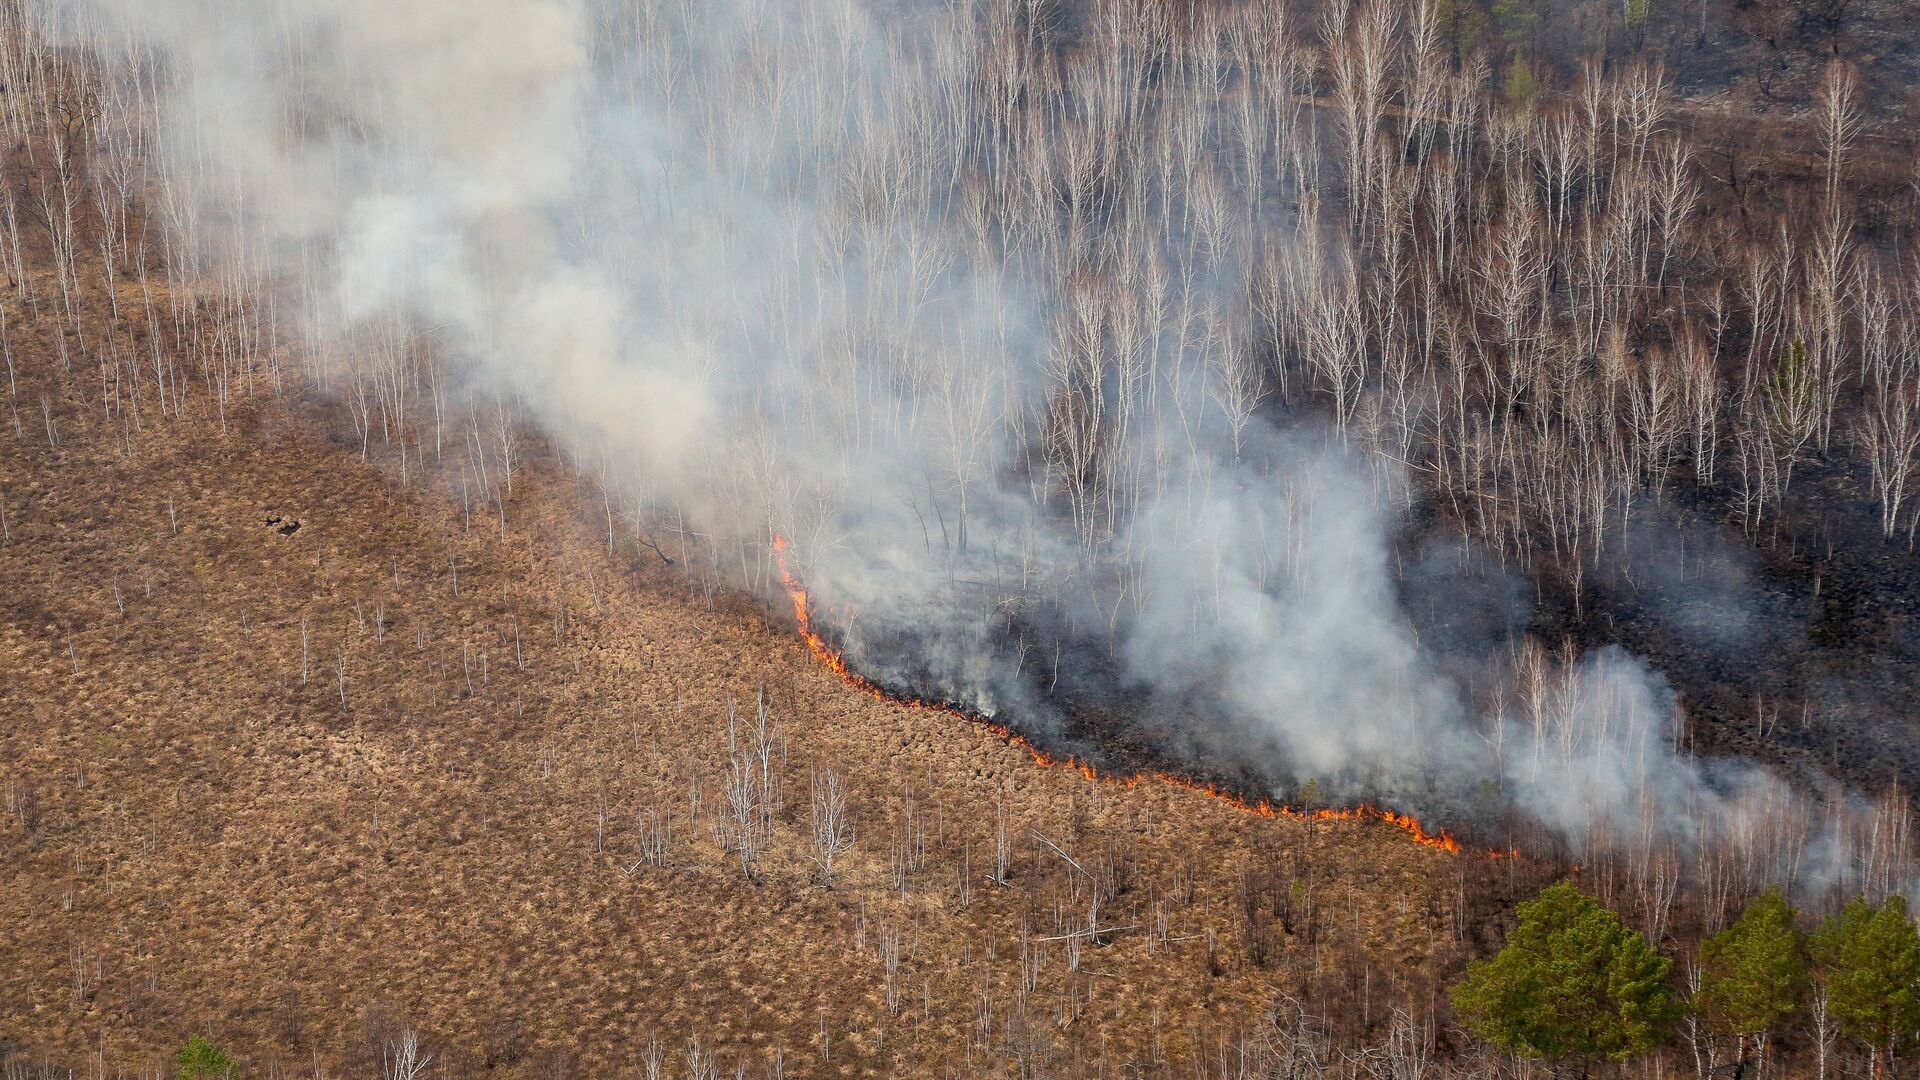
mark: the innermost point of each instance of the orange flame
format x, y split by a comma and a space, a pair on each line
834, 662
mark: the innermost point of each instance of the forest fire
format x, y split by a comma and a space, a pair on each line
834, 662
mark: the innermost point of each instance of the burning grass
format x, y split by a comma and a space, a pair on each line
836, 662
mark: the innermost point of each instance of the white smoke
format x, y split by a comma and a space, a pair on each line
798, 266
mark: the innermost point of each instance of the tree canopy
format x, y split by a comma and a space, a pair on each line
1572, 985
1870, 964
1753, 974
201, 1060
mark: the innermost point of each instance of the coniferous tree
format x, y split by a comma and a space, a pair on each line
1869, 959
201, 1060
1753, 974
1573, 985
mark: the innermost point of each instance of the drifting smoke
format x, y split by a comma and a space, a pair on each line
1006, 365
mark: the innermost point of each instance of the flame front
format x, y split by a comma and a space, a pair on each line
834, 662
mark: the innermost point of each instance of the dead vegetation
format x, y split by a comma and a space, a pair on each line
410, 771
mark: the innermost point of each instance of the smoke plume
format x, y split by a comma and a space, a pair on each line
1030, 335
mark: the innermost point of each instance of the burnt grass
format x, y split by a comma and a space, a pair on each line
1811, 667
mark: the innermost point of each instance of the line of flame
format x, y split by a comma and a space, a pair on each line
834, 662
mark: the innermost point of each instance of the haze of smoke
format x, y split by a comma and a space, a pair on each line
796, 267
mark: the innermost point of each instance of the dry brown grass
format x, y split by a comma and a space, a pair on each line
200, 841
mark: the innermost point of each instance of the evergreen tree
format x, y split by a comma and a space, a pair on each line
1463, 24
1870, 962
1516, 20
1520, 88
201, 1060
1572, 985
1753, 974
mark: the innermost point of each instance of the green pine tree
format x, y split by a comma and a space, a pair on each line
1463, 25
1309, 796
1573, 985
1516, 20
1520, 89
201, 1060
1793, 401
1753, 974
1869, 958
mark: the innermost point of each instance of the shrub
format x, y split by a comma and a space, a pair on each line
201, 1060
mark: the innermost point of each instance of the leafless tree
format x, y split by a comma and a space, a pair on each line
1837, 111
699, 1062
404, 1059
1889, 435
654, 835
750, 785
833, 827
